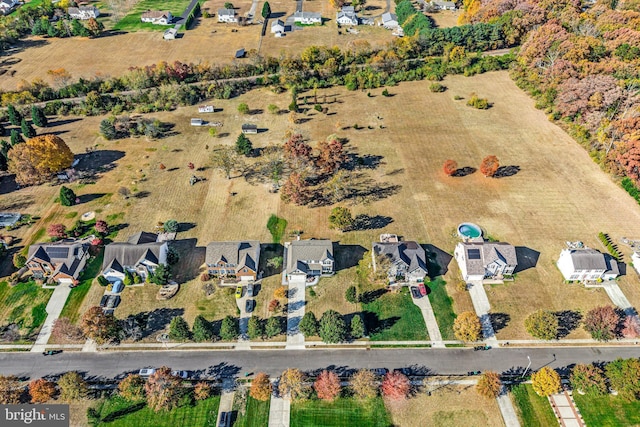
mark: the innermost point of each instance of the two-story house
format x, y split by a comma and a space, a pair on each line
159, 17
306, 260
141, 254
347, 16
407, 261
586, 264
227, 15
83, 12
485, 260
60, 262
236, 259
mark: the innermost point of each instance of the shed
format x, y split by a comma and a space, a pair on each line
170, 34
240, 53
249, 128
205, 109
196, 122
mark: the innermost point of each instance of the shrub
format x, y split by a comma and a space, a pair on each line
202, 391
317, 107
479, 103
351, 294
437, 87
19, 260
280, 292
243, 108
171, 226
385, 92
449, 167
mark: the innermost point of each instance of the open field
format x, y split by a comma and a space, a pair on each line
445, 18
449, 406
608, 411
24, 304
344, 411
532, 410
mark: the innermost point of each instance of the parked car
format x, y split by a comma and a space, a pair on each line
239, 291
380, 371
415, 292
182, 374
224, 419
146, 372
249, 305
250, 290
423, 289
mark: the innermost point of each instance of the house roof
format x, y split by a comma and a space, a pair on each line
388, 17
125, 254
300, 253
62, 254
307, 15
143, 237
277, 23
248, 126
408, 253
156, 14
226, 12
477, 255
587, 259
242, 254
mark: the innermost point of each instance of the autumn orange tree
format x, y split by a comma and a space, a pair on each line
163, 390
99, 326
10, 390
489, 385
293, 383
364, 384
38, 158
327, 385
588, 379
331, 155
295, 189
132, 387
260, 387
546, 382
467, 326
602, 323
201, 391
41, 390
450, 167
489, 166
395, 386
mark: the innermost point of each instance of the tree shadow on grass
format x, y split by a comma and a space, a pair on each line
506, 171
568, 320
134, 407
499, 321
375, 325
371, 296
158, 319
460, 172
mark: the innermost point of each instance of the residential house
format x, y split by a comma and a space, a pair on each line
444, 5
158, 17
307, 18
7, 6
249, 128
239, 259
407, 260
635, 259
141, 254
83, 12
9, 219
307, 260
205, 109
347, 16
170, 34
277, 26
227, 15
196, 122
61, 261
485, 260
389, 21
586, 264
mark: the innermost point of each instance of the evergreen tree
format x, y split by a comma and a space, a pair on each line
255, 329
201, 329
357, 327
38, 117
108, 130
67, 196
266, 10
14, 115
229, 328
243, 145
309, 324
332, 327
16, 138
27, 130
273, 327
179, 329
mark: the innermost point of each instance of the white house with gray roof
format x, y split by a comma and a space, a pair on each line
586, 264
307, 18
485, 260
306, 260
227, 15
83, 12
239, 259
389, 21
347, 16
407, 261
141, 254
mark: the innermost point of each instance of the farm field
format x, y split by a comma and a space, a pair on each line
549, 201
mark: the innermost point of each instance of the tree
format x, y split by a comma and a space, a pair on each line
229, 328
542, 324
99, 326
67, 196
201, 329
332, 327
41, 390
163, 390
588, 379
476, 102
309, 324
38, 117
171, 226
38, 158
450, 167
273, 109
292, 383
255, 329
19, 260
58, 231
546, 382
260, 387
395, 386
341, 218
108, 129
132, 387
274, 305
327, 385
467, 326
331, 155
624, 377
357, 327
202, 391
602, 323
297, 151
489, 166
15, 118
72, 387
225, 159
179, 329
266, 10
101, 227
94, 26
243, 145
273, 327
243, 108
364, 384
124, 192
161, 275
294, 189
631, 327
65, 331
280, 292
15, 139
27, 130
351, 294
489, 385
11, 390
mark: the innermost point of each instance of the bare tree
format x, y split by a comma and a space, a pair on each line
226, 159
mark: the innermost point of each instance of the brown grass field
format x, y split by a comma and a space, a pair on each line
445, 18
450, 406
558, 195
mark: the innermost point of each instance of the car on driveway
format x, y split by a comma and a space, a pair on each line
250, 290
181, 374
239, 291
423, 289
249, 305
147, 372
415, 292
225, 419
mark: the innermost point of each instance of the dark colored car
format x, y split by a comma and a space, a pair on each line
249, 305
380, 371
415, 292
224, 419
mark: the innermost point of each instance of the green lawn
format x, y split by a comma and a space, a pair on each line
442, 307
341, 412
256, 414
132, 22
394, 317
77, 294
116, 412
276, 227
533, 410
25, 305
608, 411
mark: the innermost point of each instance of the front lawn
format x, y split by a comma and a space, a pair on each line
392, 316
341, 412
132, 21
533, 410
25, 305
116, 412
77, 294
256, 414
608, 411
441, 303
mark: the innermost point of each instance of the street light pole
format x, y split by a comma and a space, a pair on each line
528, 366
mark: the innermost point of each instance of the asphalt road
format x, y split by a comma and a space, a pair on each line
220, 364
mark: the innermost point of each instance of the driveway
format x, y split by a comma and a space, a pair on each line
482, 307
295, 312
429, 320
244, 316
54, 308
618, 298
279, 411
226, 399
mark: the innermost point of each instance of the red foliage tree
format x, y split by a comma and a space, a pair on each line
449, 167
64, 331
631, 327
629, 159
602, 322
41, 390
101, 227
296, 151
274, 304
489, 166
395, 386
331, 155
327, 385
162, 166
163, 390
191, 166
59, 231
295, 189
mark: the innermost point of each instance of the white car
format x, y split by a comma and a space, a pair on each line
181, 374
147, 372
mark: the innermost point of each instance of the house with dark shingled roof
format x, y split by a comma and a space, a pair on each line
236, 259
141, 254
61, 261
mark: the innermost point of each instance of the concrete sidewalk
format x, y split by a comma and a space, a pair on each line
430, 321
565, 410
279, 412
54, 308
482, 307
295, 312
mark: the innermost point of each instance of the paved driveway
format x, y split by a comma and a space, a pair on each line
295, 312
429, 320
482, 307
54, 308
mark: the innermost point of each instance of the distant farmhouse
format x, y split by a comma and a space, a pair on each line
347, 16
249, 128
586, 264
227, 15
485, 260
60, 262
443, 5
170, 34
278, 27
206, 109
83, 12
307, 18
158, 17
389, 21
